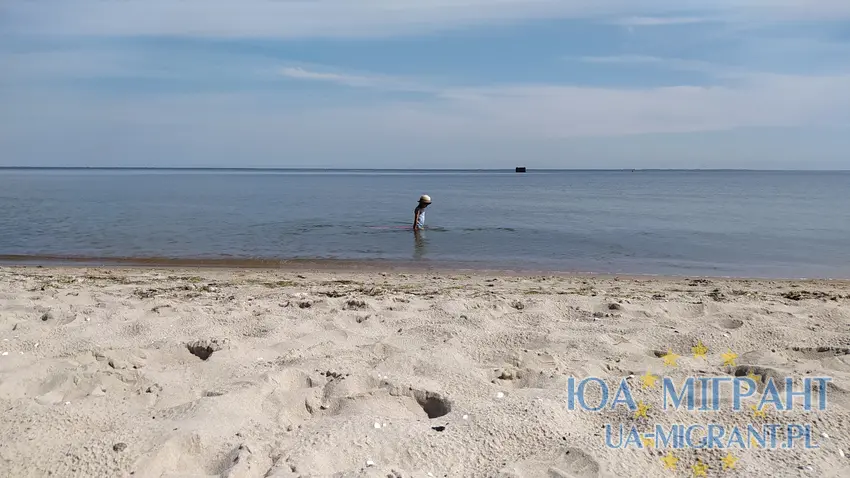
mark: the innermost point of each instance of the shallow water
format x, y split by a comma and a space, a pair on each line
721, 223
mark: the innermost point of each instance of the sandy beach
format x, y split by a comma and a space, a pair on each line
146, 372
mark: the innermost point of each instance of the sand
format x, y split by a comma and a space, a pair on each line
199, 373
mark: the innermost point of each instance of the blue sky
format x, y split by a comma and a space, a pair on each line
426, 84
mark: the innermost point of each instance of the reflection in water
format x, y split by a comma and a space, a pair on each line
419, 245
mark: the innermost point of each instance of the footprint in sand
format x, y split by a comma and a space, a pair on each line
529, 378
763, 373
817, 353
247, 461
55, 382
730, 324
122, 359
570, 463
176, 455
53, 318
359, 394
271, 397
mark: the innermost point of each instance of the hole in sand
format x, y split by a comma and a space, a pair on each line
432, 404
203, 352
731, 323
354, 304
203, 349
822, 350
763, 374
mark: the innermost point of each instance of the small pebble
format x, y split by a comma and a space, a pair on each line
370, 463
377, 425
67, 403
841, 452
500, 395
824, 435
466, 417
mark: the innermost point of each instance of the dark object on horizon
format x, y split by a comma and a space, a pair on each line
520, 169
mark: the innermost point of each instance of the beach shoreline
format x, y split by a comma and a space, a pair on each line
252, 373
345, 266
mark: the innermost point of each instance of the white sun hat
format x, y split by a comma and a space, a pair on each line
425, 198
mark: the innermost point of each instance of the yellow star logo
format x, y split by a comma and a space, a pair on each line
729, 462
669, 461
641, 410
757, 412
670, 358
755, 378
699, 350
648, 380
729, 358
647, 442
700, 469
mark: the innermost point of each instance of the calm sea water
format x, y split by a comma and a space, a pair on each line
721, 223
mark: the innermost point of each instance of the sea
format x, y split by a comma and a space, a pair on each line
757, 224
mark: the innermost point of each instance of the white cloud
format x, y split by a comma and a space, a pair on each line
347, 18
517, 112
712, 69
354, 80
558, 111
658, 21
476, 125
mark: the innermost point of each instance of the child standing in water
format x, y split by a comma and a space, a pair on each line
419, 212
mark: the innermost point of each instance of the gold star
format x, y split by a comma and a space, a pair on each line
700, 469
670, 358
700, 350
647, 442
729, 462
757, 412
729, 358
755, 378
648, 380
641, 411
669, 461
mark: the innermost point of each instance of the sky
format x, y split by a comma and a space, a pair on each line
753, 84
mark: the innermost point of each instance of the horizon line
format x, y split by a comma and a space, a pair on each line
226, 168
